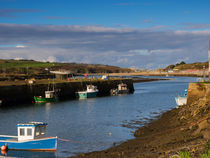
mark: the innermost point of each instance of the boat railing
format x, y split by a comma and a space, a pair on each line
8, 136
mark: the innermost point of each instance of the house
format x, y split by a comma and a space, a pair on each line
62, 74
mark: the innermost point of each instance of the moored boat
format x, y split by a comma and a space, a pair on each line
90, 92
50, 96
121, 89
31, 136
181, 100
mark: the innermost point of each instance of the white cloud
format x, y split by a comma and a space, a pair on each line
166, 51
20, 46
139, 51
51, 59
123, 47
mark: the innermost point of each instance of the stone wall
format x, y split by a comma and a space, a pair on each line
197, 91
23, 94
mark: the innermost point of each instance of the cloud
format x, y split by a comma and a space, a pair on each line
140, 51
11, 13
195, 26
12, 45
123, 47
166, 51
20, 46
51, 59
157, 27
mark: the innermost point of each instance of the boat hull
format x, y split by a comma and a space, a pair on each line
42, 144
122, 91
84, 95
44, 100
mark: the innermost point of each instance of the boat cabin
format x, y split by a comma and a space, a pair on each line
31, 130
122, 86
49, 94
92, 88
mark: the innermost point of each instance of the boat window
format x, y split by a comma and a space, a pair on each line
43, 128
29, 131
22, 131
37, 131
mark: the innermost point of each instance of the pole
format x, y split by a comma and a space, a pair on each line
209, 60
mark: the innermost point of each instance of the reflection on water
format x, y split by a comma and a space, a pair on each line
95, 123
27, 154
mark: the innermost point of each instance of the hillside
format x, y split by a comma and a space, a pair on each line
184, 66
31, 67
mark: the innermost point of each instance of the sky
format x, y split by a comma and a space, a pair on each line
126, 33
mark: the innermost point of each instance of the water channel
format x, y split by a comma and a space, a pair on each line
96, 123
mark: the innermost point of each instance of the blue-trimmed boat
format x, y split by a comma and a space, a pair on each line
91, 92
31, 136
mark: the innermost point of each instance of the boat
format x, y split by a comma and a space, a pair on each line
181, 100
122, 88
90, 92
50, 96
31, 136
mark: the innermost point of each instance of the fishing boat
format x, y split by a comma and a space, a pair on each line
31, 136
122, 88
90, 92
181, 100
50, 95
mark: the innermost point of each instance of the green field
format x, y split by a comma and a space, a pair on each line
37, 67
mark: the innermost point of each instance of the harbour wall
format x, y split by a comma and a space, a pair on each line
23, 94
197, 91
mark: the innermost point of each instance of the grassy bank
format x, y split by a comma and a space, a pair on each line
31, 67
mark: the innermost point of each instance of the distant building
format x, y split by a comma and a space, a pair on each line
62, 74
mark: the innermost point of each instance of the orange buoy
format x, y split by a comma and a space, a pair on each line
3, 152
4, 148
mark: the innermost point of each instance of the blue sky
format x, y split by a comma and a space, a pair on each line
125, 33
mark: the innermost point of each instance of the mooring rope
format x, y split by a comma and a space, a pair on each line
66, 140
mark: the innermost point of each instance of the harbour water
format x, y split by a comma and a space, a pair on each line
96, 123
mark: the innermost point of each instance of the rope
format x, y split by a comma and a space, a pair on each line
66, 140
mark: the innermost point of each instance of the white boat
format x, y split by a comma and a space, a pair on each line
90, 92
181, 100
122, 88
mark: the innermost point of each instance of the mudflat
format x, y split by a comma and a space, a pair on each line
186, 128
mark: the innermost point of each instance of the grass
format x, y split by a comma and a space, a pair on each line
184, 154
206, 151
9, 64
206, 155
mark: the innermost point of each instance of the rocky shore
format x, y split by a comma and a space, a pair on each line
185, 129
